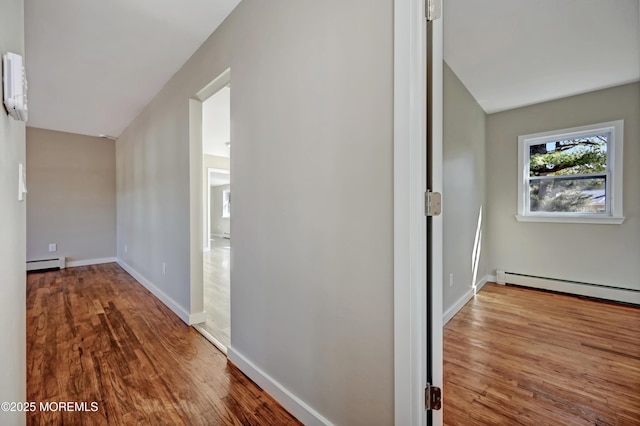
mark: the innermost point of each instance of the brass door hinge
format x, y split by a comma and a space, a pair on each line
432, 397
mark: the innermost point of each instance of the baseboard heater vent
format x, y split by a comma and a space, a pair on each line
46, 264
598, 291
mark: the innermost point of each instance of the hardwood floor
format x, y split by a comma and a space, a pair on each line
520, 356
95, 335
217, 290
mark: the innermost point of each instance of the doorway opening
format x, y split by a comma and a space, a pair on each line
217, 259
211, 264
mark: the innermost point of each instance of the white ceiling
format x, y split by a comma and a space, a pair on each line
511, 53
93, 65
216, 123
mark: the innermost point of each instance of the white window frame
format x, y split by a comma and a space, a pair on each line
613, 214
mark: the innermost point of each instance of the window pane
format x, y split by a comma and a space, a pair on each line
569, 157
568, 195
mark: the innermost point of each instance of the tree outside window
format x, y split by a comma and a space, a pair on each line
572, 175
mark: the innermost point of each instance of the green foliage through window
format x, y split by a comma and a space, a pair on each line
569, 157
569, 175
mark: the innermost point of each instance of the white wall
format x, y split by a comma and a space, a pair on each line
13, 358
464, 192
72, 196
215, 162
312, 272
219, 225
599, 254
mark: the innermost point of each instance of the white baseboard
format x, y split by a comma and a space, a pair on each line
210, 338
617, 294
88, 262
453, 310
298, 408
178, 309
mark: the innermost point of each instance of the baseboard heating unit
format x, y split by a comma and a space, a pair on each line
46, 264
598, 291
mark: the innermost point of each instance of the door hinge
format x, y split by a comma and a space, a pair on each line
432, 203
432, 9
432, 397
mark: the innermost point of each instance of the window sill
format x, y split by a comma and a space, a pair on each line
607, 220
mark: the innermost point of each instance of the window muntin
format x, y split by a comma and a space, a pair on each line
572, 174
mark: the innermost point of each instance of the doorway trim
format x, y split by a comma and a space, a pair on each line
196, 178
410, 231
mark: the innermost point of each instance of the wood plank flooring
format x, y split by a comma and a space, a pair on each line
217, 290
519, 356
95, 334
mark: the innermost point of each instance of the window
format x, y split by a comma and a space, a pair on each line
571, 175
226, 203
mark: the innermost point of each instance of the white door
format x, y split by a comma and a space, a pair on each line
435, 225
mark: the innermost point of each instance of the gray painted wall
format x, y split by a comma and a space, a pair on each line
312, 128
464, 189
72, 195
601, 254
13, 358
219, 225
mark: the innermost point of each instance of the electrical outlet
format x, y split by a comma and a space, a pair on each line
450, 280
53, 247
164, 268
126, 248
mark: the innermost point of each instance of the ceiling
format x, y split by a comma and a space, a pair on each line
512, 53
92, 66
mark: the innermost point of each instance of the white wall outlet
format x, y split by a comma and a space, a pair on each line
126, 248
53, 247
450, 280
164, 268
